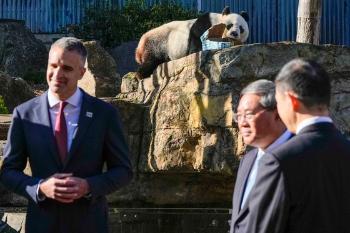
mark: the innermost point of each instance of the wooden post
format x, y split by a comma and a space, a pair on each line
309, 21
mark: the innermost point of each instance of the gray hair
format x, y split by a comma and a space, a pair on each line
265, 89
71, 44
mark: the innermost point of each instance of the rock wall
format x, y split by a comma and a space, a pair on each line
20, 51
124, 56
190, 146
185, 147
14, 90
191, 100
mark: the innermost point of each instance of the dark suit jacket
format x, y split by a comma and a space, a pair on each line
98, 140
303, 186
238, 215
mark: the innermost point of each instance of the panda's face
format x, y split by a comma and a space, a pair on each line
236, 27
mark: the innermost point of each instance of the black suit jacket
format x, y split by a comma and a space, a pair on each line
304, 185
238, 215
98, 140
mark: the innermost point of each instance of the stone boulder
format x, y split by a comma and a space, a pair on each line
14, 90
190, 124
124, 56
101, 78
20, 51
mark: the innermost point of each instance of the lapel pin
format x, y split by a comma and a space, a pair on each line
89, 114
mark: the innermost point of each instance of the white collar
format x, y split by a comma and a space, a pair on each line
74, 100
280, 140
311, 121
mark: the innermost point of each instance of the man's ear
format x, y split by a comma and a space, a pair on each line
82, 72
294, 101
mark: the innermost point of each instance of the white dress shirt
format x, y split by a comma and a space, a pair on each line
311, 121
71, 113
253, 172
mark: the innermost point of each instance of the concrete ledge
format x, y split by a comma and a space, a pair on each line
136, 220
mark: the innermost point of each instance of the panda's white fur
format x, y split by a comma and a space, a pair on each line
179, 38
234, 31
166, 39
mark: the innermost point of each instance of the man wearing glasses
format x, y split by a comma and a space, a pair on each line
303, 186
261, 127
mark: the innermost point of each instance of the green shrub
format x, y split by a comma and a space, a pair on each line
112, 26
35, 77
3, 108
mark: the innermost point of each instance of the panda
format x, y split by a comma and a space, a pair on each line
180, 38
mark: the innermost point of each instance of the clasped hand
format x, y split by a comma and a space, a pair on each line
64, 187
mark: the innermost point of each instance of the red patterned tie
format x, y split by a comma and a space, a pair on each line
61, 132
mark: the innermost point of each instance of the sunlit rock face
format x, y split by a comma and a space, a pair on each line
101, 78
185, 147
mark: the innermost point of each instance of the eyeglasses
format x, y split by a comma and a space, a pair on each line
249, 116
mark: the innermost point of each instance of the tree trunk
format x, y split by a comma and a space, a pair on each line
309, 21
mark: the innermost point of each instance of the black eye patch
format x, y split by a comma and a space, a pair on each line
229, 26
241, 29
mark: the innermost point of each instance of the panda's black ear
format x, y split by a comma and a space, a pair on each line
245, 16
226, 10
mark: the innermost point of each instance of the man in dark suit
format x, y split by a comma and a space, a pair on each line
67, 136
260, 127
303, 185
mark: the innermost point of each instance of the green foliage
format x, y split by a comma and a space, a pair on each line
3, 108
112, 26
35, 77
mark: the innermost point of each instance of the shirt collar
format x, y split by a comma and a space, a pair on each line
280, 140
74, 100
311, 121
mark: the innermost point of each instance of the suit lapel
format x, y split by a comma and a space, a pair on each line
246, 167
43, 118
86, 116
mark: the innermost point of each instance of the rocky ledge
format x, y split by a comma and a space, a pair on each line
185, 146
